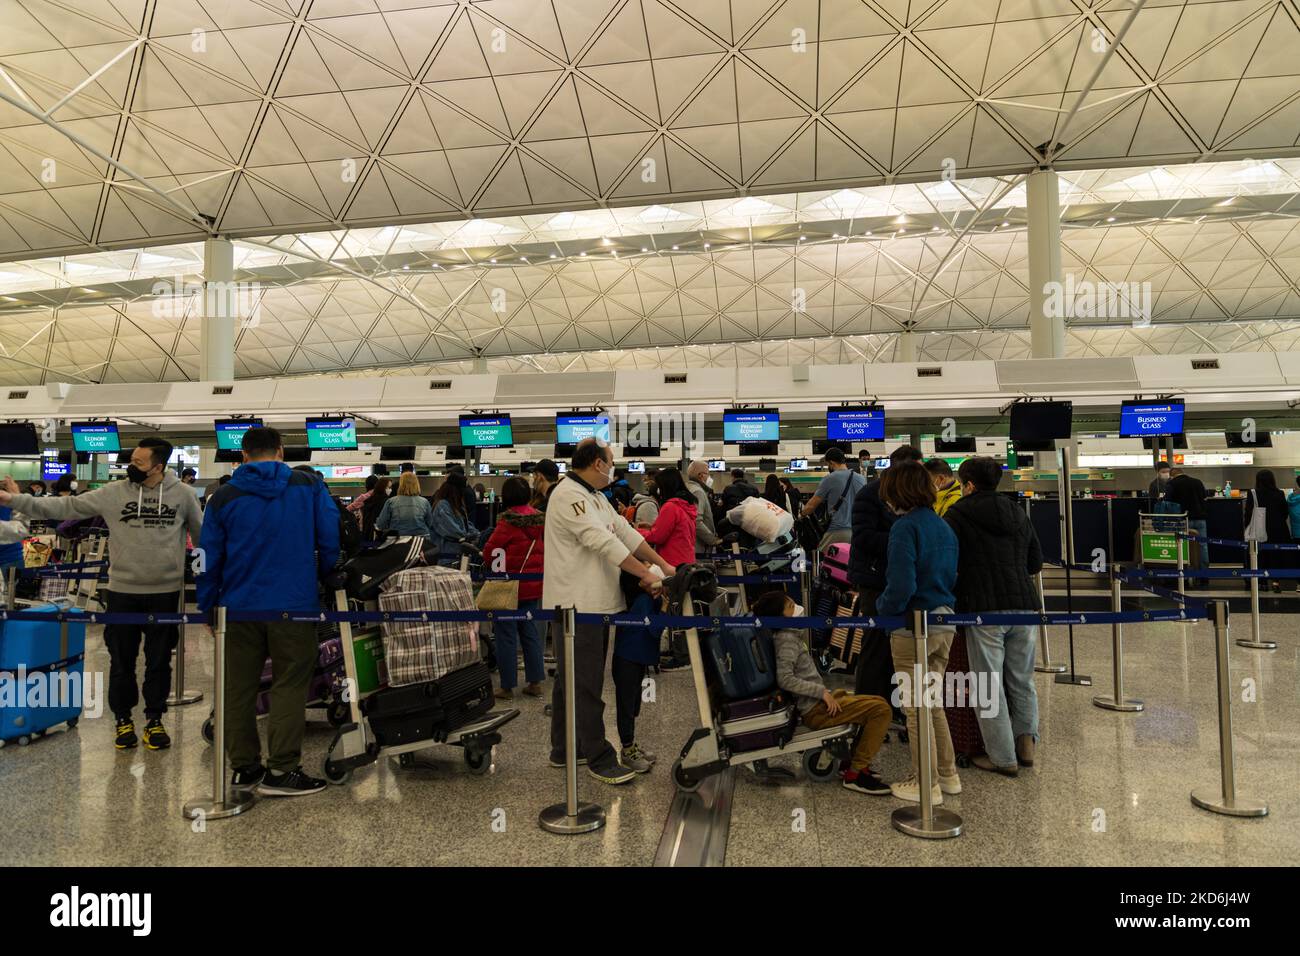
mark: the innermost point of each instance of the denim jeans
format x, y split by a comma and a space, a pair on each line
1008, 651
509, 635
1199, 553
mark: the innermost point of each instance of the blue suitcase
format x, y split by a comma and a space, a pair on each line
50, 659
743, 660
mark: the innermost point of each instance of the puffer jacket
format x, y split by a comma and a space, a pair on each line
673, 533
944, 498
869, 553
998, 555
516, 531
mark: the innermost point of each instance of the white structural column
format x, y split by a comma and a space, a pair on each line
219, 311
1046, 318
906, 351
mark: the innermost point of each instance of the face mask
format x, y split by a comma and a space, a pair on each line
73, 486
137, 475
798, 611
708, 481
602, 478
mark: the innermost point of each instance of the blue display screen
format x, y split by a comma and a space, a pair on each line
751, 424
861, 423
51, 468
1150, 418
573, 428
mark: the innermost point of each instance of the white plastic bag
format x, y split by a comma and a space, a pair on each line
759, 517
1257, 529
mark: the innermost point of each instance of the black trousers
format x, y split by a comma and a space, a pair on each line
590, 647
123, 642
628, 676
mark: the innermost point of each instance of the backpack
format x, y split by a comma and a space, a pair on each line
349, 531
630, 514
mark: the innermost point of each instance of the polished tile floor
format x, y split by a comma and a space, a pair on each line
1108, 789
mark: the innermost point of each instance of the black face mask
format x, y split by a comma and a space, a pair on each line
137, 475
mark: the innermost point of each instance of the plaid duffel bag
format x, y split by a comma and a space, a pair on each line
425, 650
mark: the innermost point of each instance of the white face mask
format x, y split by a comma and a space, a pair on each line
798, 611
72, 485
708, 481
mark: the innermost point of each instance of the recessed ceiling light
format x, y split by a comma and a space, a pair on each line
674, 247
523, 258
583, 254
552, 255
836, 236
1006, 224
491, 260
801, 238
934, 228
901, 231
706, 245
644, 249
606, 242
868, 232
1110, 218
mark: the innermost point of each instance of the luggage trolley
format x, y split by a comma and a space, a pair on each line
713, 746
356, 745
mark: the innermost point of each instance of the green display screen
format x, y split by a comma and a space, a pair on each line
230, 432
332, 434
483, 431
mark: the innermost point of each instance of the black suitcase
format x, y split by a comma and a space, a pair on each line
431, 709
758, 723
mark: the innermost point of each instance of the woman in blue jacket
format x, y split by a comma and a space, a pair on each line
451, 521
920, 575
407, 513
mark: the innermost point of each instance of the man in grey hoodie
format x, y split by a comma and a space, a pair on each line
698, 483
148, 516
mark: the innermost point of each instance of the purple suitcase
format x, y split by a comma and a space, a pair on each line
756, 723
835, 564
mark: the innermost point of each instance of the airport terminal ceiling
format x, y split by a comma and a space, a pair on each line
592, 184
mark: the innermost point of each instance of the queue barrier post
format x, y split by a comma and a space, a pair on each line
1179, 544
1117, 701
224, 801
1256, 640
179, 696
570, 817
1044, 664
924, 820
1225, 800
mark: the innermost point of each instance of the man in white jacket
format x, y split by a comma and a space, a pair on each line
587, 544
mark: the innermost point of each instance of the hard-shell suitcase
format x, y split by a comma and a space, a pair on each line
430, 710
743, 660
757, 723
963, 720
835, 563
44, 665
826, 599
326, 680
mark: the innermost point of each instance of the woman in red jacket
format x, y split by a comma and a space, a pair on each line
518, 539
673, 533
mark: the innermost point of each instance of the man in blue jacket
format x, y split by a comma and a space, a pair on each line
267, 534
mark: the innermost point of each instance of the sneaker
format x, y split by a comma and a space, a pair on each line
984, 763
1025, 746
864, 781
295, 783
248, 777
950, 785
634, 758
125, 738
502, 694
557, 760
613, 773
910, 790
672, 663
155, 735
533, 690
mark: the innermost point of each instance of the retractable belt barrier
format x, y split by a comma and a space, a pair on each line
618, 620
1230, 543
65, 570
